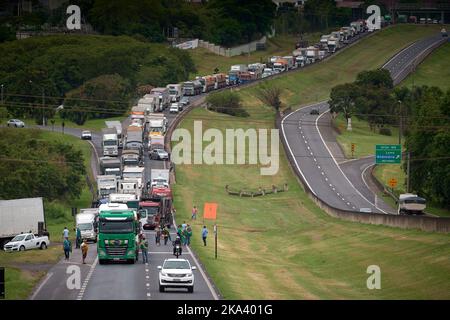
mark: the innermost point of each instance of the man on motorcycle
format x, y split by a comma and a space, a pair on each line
177, 246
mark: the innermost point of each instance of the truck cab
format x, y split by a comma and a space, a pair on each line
106, 184
117, 236
151, 211
110, 142
87, 224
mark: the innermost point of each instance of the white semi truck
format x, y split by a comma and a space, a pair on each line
175, 92
87, 223
163, 98
106, 184
20, 216
110, 142
118, 126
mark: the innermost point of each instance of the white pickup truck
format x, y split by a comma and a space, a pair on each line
26, 241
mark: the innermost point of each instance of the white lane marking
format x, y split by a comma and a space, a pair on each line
88, 277
48, 276
292, 153
337, 165
364, 180
199, 268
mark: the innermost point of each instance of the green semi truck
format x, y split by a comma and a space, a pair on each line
117, 236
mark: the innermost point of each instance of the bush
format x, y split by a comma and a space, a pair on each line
226, 102
385, 131
55, 212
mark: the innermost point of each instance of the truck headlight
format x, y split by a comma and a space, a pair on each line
106, 242
131, 252
125, 241
101, 252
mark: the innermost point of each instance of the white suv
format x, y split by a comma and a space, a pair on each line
176, 273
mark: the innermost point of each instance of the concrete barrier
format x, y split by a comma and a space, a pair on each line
424, 223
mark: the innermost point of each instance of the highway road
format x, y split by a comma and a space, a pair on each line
342, 186
118, 281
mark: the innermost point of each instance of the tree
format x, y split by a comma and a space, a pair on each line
343, 99
101, 97
380, 78
226, 102
269, 94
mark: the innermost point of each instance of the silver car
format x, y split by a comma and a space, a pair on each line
16, 123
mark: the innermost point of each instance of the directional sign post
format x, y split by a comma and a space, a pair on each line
393, 182
388, 154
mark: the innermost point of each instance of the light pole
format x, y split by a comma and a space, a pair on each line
43, 103
2, 92
400, 126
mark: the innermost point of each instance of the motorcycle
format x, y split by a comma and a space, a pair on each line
177, 250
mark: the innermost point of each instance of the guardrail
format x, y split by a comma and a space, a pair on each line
434, 224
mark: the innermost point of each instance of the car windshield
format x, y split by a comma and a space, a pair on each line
86, 132
158, 129
18, 238
181, 264
85, 226
116, 227
160, 151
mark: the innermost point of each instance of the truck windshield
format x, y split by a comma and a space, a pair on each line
130, 162
110, 143
131, 175
18, 238
85, 226
116, 227
150, 210
156, 129
173, 92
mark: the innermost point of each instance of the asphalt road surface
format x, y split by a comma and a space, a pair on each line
117, 281
341, 186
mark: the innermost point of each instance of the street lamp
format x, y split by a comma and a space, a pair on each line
43, 102
2, 92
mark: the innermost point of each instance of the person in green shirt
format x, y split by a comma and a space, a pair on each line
144, 248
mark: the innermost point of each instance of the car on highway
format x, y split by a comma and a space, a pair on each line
86, 135
314, 111
174, 108
176, 273
159, 154
26, 241
16, 123
184, 101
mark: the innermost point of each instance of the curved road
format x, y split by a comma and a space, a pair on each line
342, 186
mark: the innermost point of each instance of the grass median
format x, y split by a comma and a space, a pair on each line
283, 246
25, 269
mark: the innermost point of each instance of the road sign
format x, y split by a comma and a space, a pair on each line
393, 182
388, 153
210, 211
353, 147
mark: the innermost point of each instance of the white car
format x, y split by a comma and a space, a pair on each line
26, 241
174, 108
159, 154
16, 123
176, 273
86, 135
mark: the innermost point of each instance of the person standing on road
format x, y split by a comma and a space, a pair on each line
204, 235
184, 225
188, 235
144, 248
67, 246
84, 250
158, 236
78, 239
179, 230
66, 233
194, 213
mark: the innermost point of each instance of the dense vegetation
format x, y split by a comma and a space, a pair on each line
34, 167
225, 22
226, 102
87, 67
425, 114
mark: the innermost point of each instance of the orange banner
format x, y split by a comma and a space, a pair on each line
210, 211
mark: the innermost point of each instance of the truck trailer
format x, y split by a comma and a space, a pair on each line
21, 215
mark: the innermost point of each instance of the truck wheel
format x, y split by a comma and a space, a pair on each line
131, 261
101, 261
43, 246
161, 288
22, 248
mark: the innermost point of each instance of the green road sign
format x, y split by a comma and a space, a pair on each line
388, 153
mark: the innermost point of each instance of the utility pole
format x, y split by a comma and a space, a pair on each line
2, 92
408, 172
43, 107
400, 126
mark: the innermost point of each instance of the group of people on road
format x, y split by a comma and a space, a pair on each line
184, 231
79, 244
